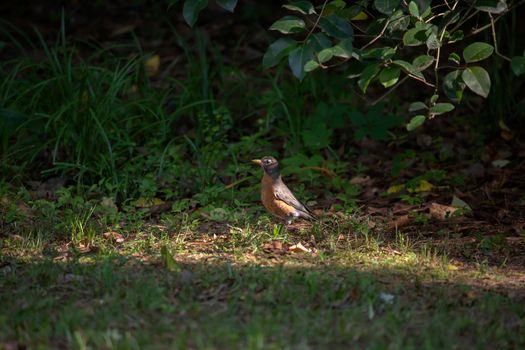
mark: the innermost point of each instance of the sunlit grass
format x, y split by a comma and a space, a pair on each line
224, 289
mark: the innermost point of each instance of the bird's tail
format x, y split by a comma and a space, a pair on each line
309, 215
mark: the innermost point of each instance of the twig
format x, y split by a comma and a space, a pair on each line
378, 36
316, 21
438, 54
495, 40
388, 92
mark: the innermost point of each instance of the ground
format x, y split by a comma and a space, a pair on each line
213, 285
130, 214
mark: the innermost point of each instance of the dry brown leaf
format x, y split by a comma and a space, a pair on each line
299, 248
85, 248
360, 180
152, 65
274, 247
113, 236
440, 211
398, 222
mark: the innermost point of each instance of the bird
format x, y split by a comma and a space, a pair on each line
277, 197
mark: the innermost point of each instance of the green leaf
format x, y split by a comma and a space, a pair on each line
456, 36
414, 37
422, 62
289, 24
191, 10
434, 98
399, 21
432, 41
304, 7
344, 49
491, 6
440, 108
310, 66
336, 26
423, 6
450, 17
277, 50
416, 106
386, 7
409, 68
416, 122
318, 137
298, 58
518, 65
454, 57
453, 86
325, 55
389, 76
368, 74
228, 5
413, 9
477, 79
379, 53
477, 51
319, 42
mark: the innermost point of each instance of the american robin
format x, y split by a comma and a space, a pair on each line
276, 196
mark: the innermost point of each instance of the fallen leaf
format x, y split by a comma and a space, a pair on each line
274, 247
299, 248
459, 203
143, 202
395, 189
113, 236
399, 222
500, 163
359, 180
84, 248
152, 65
452, 267
422, 186
441, 212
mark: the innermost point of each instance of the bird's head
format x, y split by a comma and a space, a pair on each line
270, 166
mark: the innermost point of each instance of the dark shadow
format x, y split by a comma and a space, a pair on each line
121, 302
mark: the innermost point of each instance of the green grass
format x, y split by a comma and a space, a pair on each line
221, 289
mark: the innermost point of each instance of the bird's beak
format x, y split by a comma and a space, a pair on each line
257, 161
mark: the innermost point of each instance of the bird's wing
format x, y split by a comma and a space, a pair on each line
284, 194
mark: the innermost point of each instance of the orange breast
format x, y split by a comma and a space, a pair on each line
275, 206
